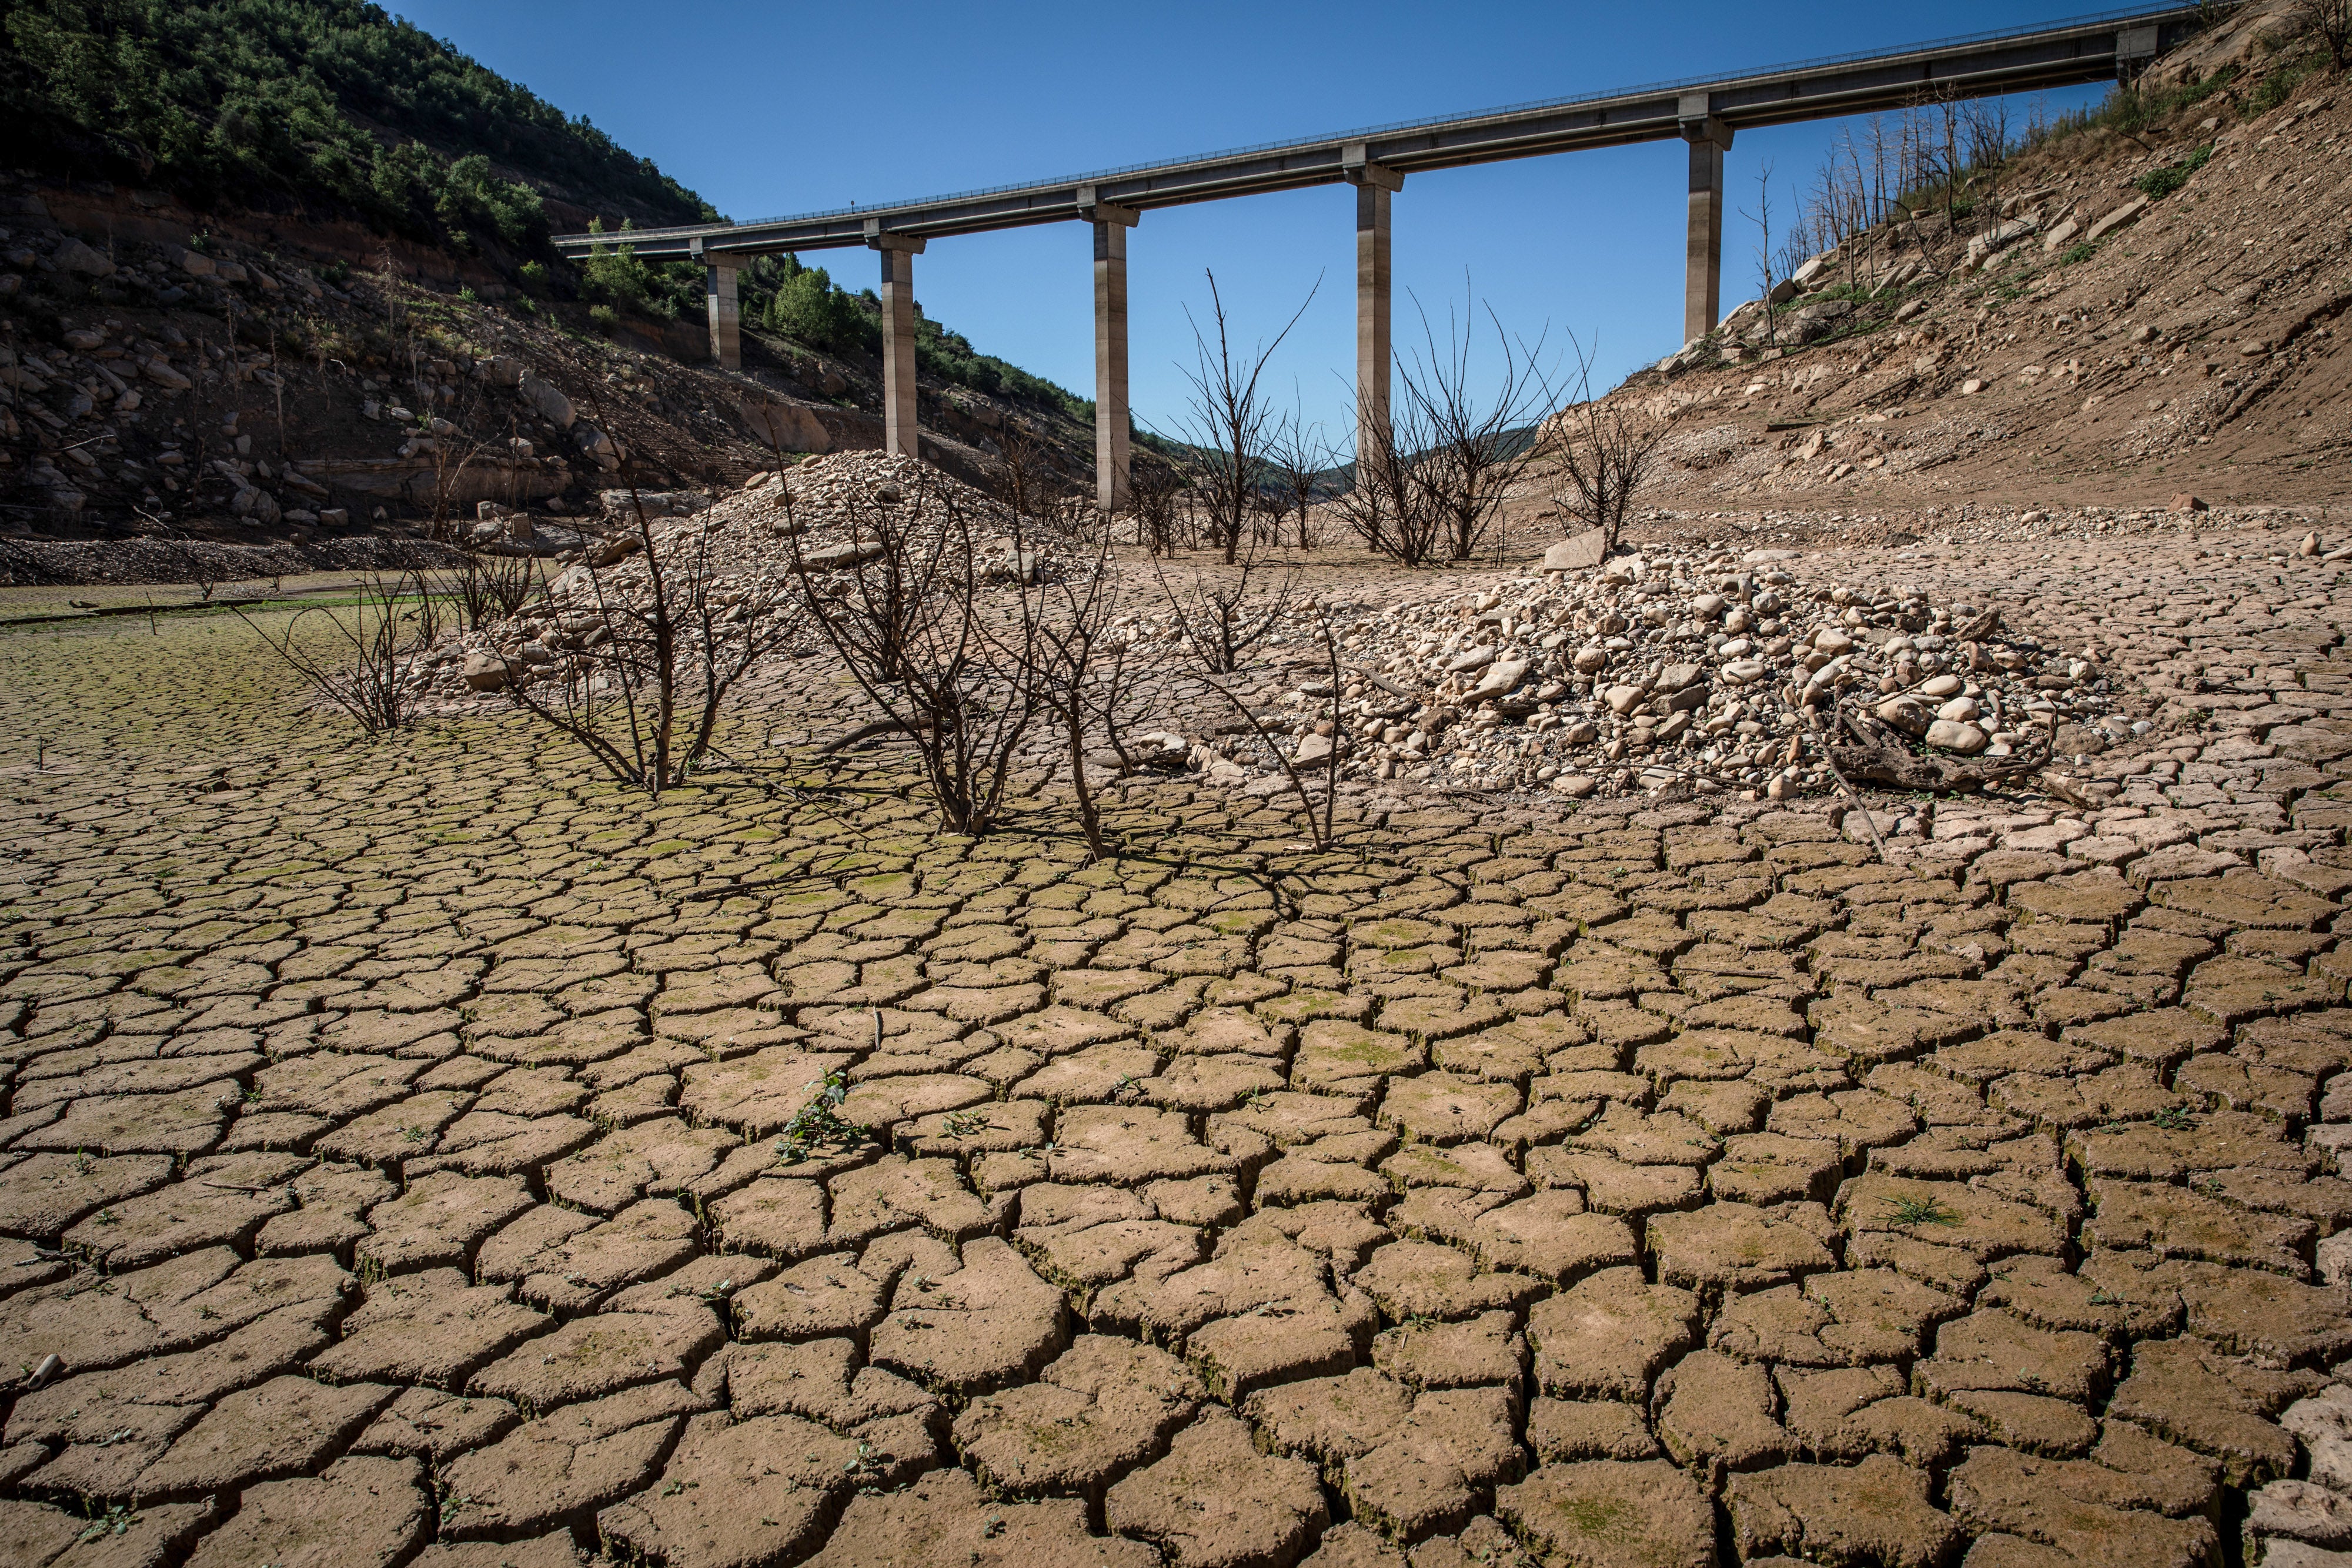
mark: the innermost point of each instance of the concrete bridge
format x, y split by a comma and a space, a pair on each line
1704, 114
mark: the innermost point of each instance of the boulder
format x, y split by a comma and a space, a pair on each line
75, 256
484, 671
196, 264
1315, 751
837, 558
1904, 714
613, 550
500, 370
1578, 552
2114, 220
1501, 679
1952, 734
552, 405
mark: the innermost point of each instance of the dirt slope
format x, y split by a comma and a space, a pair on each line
2082, 337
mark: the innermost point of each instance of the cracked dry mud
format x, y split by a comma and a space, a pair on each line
388, 1152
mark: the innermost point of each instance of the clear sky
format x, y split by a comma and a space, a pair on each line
777, 108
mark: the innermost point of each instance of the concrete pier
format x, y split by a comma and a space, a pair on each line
726, 318
1112, 470
899, 252
1703, 259
1375, 184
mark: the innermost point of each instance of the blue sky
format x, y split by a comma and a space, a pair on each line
771, 109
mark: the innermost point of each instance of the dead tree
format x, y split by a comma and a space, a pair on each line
1078, 669
1157, 500
1470, 450
1603, 452
2329, 22
1298, 464
1762, 218
642, 689
1222, 616
361, 665
1387, 503
912, 624
1229, 425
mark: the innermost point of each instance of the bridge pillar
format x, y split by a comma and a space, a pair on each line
900, 434
1375, 184
726, 319
1112, 469
1702, 252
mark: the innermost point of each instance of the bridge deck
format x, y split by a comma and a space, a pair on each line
1983, 64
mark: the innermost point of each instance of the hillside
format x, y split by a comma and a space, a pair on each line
327, 105
2137, 305
273, 273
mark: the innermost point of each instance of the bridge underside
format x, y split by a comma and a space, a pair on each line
1705, 115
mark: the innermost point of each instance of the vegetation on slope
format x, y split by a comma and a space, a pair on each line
312, 101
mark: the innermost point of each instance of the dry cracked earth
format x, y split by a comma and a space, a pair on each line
391, 1170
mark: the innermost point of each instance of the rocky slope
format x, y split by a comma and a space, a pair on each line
2121, 317
255, 388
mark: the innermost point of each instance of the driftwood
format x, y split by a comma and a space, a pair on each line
1881, 754
867, 732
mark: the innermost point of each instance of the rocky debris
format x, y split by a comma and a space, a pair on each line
748, 548
1701, 669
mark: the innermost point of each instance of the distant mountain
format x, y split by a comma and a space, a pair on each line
313, 105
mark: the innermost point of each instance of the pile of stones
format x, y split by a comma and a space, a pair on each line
826, 509
1705, 668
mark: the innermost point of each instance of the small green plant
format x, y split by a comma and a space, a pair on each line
2157, 184
967, 1124
2075, 255
116, 1520
335, 272
468, 296
2175, 1119
2279, 85
532, 275
604, 317
1903, 1211
820, 1122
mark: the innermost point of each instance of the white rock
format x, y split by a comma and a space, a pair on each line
2301, 1510
552, 405
1622, 700
1904, 714
1591, 659
1742, 672
1959, 710
1578, 552
1938, 686
1500, 680
1470, 659
1950, 735
1830, 641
